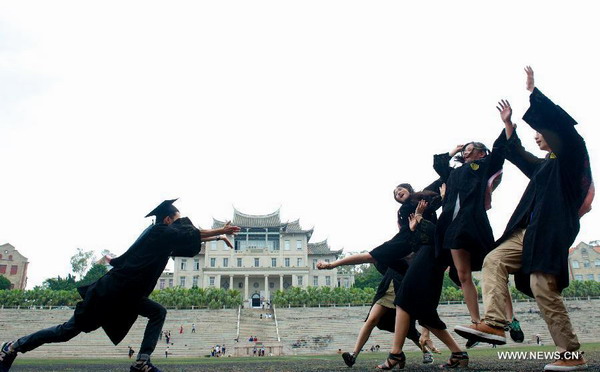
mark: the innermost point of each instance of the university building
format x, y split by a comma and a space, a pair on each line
268, 255
13, 266
584, 261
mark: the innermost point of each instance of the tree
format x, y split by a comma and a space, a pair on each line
81, 261
4, 283
93, 274
60, 284
367, 277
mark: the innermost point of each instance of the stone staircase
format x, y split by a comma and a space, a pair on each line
302, 330
252, 325
325, 330
212, 327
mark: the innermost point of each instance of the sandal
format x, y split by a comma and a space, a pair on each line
349, 359
457, 360
392, 361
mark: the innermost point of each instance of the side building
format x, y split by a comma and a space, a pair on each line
13, 266
584, 261
268, 255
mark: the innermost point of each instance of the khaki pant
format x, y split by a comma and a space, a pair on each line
505, 260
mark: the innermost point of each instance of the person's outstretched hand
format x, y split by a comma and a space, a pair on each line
530, 82
323, 265
229, 229
224, 238
505, 111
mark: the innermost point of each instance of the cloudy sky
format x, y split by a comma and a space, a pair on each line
316, 107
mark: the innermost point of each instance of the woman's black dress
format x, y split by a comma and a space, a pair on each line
421, 287
463, 223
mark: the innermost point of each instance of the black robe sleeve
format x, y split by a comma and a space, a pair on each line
522, 159
441, 165
568, 147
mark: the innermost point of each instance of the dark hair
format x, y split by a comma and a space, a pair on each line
171, 212
407, 186
476, 146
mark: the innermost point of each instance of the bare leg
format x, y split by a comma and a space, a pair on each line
462, 261
445, 336
400, 330
365, 331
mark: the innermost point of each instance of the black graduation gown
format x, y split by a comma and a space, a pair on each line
470, 183
392, 253
111, 302
420, 290
388, 320
550, 205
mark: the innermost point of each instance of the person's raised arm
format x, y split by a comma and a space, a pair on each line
555, 124
506, 116
441, 162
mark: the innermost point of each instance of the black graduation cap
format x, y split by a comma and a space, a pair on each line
164, 209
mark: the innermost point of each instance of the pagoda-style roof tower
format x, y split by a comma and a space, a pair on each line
271, 220
321, 248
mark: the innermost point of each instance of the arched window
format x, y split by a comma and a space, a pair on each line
0, 256
10, 257
575, 264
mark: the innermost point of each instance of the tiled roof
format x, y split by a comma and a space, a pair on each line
266, 220
294, 227
321, 248
249, 220
584, 245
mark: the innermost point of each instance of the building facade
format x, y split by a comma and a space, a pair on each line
268, 255
13, 266
584, 261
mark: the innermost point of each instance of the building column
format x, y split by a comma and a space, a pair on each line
281, 282
266, 288
305, 284
294, 280
245, 288
230, 281
218, 281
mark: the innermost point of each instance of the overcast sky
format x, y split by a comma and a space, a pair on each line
317, 107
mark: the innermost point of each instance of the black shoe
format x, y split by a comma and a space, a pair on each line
143, 366
471, 344
515, 331
7, 356
457, 360
349, 359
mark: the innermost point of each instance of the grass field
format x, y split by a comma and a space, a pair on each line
482, 358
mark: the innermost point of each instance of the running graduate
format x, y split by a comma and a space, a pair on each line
115, 300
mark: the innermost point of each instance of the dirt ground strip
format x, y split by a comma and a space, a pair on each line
295, 364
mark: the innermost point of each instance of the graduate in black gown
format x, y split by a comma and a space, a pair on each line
463, 228
115, 300
392, 259
419, 294
545, 223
